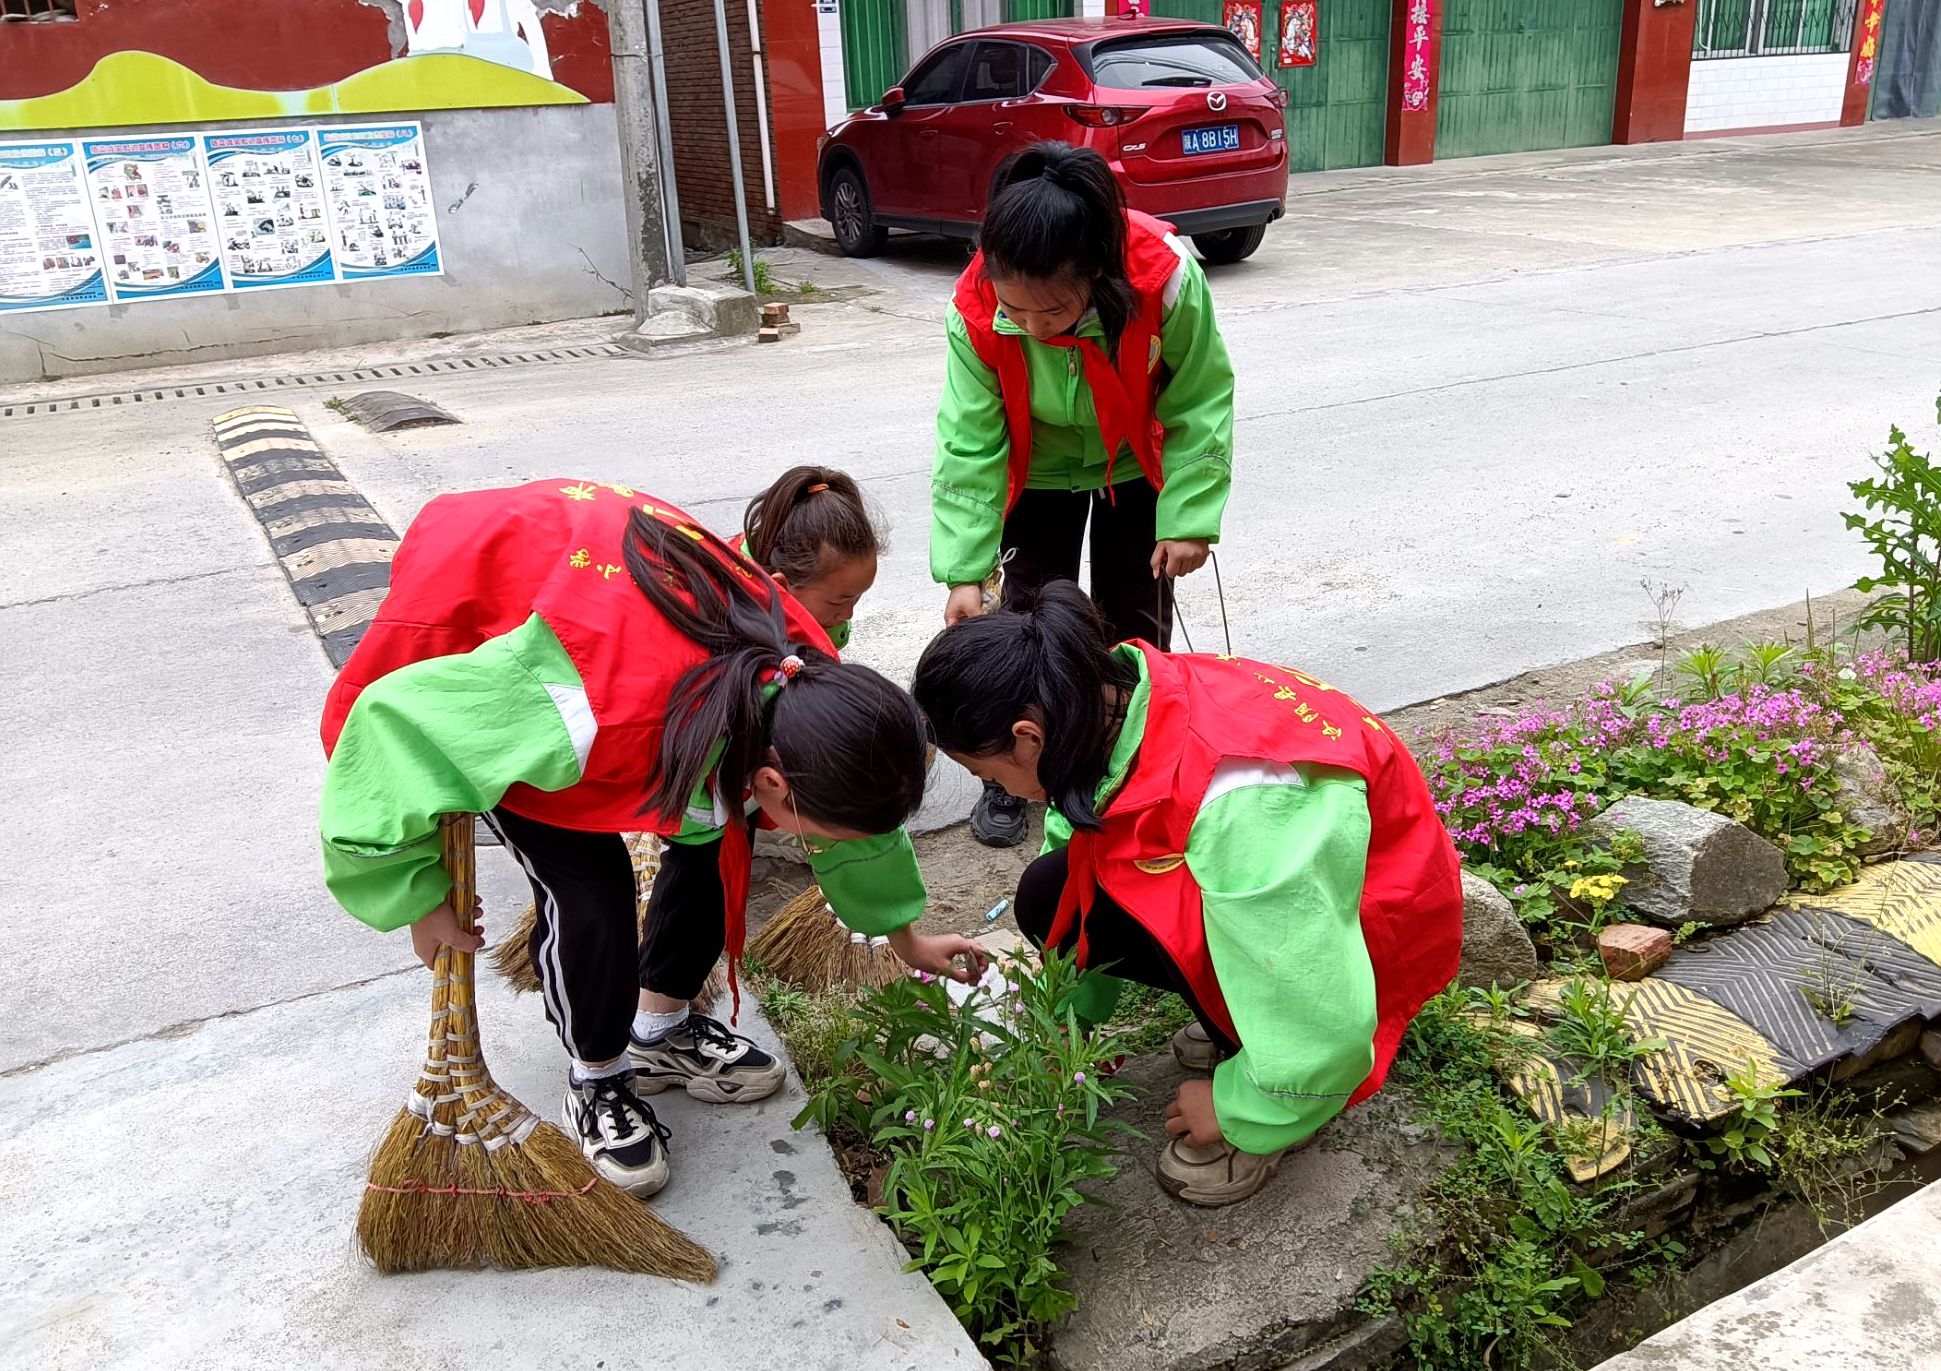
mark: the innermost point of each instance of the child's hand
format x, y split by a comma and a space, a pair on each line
1190, 1115
938, 953
440, 929
965, 602
1179, 557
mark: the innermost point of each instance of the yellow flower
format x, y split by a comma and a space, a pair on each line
1597, 889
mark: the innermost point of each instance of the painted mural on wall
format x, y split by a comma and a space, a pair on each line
150, 62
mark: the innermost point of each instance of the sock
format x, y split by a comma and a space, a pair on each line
581, 1073
650, 1027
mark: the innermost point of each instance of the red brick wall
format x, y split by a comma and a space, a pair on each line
701, 126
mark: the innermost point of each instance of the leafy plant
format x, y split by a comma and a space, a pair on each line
1506, 1258
1706, 669
1591, 1030
1741, 1141
764, 274
1902, 526
989, 1114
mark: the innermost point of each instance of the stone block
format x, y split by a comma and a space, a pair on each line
1633, 951
1868, 796
1698, 867
1496, 948
1931, 1047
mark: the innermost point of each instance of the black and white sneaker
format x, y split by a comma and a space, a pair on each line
618, 1133
711, 1062
998, 817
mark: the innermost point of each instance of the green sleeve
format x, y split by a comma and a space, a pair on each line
446, 735
1196, 410
969, 480
872, 883
1280, 868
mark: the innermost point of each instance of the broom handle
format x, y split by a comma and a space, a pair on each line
455, 833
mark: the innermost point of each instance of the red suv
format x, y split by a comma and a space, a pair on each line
1192, 129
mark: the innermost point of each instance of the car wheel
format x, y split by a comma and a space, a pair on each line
1229, 245
857, 232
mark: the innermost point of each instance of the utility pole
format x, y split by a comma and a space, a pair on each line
640, 150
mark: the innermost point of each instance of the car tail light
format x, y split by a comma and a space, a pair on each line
1279, 97
1103, 116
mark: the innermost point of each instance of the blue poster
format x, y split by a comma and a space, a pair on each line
383, 221
267, 187
151, 202
50, 256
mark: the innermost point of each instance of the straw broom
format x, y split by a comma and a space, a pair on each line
806, 945
512, 956
466, 1176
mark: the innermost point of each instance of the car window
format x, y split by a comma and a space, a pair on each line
934, 82
1186, 59
1038, 65
998, 72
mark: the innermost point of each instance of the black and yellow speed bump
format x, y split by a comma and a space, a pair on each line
334, 548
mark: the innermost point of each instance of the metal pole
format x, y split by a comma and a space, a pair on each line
670, 188
734, 145
639, 153
761, 103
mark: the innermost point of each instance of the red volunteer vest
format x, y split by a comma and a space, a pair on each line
476, 565
1205, 710
1122, 395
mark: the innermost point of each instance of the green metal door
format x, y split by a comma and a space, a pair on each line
873, 56
1525, 74
1017, 11
1337, 109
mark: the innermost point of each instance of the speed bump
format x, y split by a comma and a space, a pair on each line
333, 547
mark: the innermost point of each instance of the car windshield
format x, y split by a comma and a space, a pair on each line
1187, 59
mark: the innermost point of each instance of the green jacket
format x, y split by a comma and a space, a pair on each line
969, 480
453, 734
1280, 865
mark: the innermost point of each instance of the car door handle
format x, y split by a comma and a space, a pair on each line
928, 133
1001, 126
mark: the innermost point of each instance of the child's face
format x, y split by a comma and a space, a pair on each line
1017, 770
831, 597
1043, 308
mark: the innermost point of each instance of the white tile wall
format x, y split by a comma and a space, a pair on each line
1765, 92
835, 97
1091, 9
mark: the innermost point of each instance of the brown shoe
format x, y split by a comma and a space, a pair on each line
1215, 1175
1194, 1051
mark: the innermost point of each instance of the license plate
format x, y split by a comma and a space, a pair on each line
1211, 138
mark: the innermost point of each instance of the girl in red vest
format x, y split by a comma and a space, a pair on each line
1234, 831
1086, 381
575, 661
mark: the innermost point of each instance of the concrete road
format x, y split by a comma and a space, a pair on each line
1478, 403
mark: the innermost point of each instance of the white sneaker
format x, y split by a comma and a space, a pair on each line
618, 1133
712, 1063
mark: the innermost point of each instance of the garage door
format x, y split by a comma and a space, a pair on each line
1525, 74
1337, 108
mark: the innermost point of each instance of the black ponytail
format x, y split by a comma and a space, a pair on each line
810, 518
1060, 216
1045, 657
851, 744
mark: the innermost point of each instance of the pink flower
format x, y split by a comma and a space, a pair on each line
929, 1124
994, 1130
909, 1116
1079, 1076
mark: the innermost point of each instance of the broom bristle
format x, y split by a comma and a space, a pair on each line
601, 1224
803, 942
512, 955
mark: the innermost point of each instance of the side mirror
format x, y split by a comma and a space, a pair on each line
893, 100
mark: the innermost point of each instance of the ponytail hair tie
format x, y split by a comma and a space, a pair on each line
791, 667
818, 488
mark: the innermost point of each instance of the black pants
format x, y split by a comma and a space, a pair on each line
1047, 529
1115, 942
591, 957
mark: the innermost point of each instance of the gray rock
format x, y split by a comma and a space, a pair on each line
1699, 867
1269, 1282
1496, 948
1869, 797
